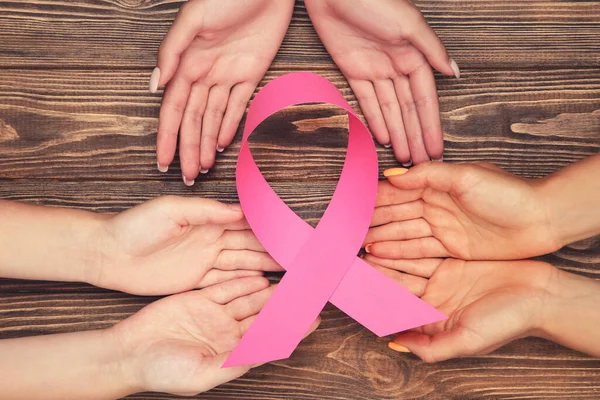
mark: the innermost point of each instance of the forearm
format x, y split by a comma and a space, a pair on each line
571, 197
45, 243
82, 365
572, 314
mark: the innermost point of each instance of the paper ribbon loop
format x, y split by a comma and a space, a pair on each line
321, 263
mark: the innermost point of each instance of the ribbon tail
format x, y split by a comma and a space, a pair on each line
382, 306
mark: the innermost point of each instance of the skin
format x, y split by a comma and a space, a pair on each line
168, 245
480, 212
212, 60
387, 53
489, 304
175, 345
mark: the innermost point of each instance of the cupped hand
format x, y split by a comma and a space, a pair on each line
212, 58
466, 211
488, 303
386, 50
178, 344
174, 244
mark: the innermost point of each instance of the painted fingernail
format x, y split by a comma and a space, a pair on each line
154, 78
394, 172
387, 146
220, 149
162, 168
204, 171
455, 68
188, 183
396, 347
368, 248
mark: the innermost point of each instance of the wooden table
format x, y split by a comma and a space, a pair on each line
78, 127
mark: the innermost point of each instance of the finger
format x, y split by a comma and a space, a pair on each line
195, 210
415, 284
245, 325
388, 101
244, 307
240, 240
218, 375
397, 212
422, 83
424, 267
440, 176
229, 260
236, 107
215, 276
365, 94
178, 39
443, 345
428, 247
424, 38
412, 126
191, 128
226, 292
240, 225
171, 113
389, 194
401, 230
211, 125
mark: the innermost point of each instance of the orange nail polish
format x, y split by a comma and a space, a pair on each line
396, 347
394, 172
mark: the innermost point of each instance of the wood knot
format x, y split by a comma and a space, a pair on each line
7, 132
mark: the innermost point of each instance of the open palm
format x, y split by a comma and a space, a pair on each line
213, 57
386, 52
173, 244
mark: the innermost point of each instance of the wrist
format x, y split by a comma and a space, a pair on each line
554, 224
119, 366
98, 249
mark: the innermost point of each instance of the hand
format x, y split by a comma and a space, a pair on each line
212, 58
385, 51
178, 344
174, 244
488, 304
467, 211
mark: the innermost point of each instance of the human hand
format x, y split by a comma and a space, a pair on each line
466, 211
488, 303
386, 52
178, 344
212, 58
174, 244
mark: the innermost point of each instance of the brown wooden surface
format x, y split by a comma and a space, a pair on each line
77, 129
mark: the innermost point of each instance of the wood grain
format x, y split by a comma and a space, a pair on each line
102, 125
127, 33
77, 129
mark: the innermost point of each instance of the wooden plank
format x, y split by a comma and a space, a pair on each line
478, 33
102, 124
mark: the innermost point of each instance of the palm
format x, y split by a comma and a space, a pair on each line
232, 47
391, 78
178, 344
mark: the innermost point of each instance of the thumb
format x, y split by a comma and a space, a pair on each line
185, 28
198, 211
439, 347
440, 176
423, 37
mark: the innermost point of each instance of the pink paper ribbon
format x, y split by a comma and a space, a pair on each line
321, 263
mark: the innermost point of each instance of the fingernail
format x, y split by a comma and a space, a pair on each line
387, 146
396, 347
204, 171
188, 183
220, 149
235, 207
441, 159
162, 168
408, 164
394, 172
368, 248
455, 68
154, 78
